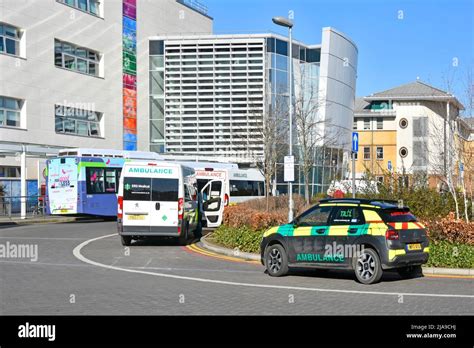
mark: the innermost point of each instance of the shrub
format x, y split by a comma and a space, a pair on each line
425, 203
452, 255
243, 238
253, 213
451, 230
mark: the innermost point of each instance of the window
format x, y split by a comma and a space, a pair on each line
379, 151
90, 6
111, 179
403, 123
9, 172
420, 126
9, 39
164, 190
346, 216
379, 123
354, 124
10, 111
77, 121
403, 152
315, 217
95, 180
137, 189
366, 152
246, 188
72, 57
379, 180
366, 123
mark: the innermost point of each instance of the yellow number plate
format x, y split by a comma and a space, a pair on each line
416, 246
136, 217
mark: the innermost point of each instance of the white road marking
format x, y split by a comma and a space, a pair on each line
34, 263
46, 238
77, 254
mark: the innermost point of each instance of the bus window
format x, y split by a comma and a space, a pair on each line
246, 188
136, 189
110, 181
95, 180
165, 190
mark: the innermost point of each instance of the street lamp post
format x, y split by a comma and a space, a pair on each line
285, 22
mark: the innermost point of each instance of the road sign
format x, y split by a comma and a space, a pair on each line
355, 142
289, 174
389, 165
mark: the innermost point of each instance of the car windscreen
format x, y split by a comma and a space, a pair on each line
165, 190
398, 215
136, 189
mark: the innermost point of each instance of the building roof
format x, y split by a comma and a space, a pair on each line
416, 90
362, 109
469, 121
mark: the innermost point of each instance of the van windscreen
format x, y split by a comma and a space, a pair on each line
165, 190
136, 189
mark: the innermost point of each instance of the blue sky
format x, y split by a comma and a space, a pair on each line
392, 51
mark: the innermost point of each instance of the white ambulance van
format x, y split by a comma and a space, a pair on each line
220, 187
158, 198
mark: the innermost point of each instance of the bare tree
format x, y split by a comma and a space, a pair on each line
311, 129
272, 131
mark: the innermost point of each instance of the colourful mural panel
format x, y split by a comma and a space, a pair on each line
129, 74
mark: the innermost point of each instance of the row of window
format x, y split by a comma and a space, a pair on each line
367, 153
89, 6
403, 152
68, 120
368, 122
72, 57
66, 55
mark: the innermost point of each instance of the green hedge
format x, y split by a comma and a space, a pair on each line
242, 238
451, 255
442, 253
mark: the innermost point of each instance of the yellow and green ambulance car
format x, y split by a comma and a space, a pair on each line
367, 236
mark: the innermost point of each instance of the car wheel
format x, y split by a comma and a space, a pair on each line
183, 238
126, 240
276, 260
410, 272
367, 267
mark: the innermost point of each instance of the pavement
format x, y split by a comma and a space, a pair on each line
82, 269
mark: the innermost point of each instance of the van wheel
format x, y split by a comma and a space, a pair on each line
126, 240
367, 267
410, 272
183, 238
276, 260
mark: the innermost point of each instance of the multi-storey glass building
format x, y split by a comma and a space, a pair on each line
209, 94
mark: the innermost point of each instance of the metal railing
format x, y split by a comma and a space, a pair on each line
10, 206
